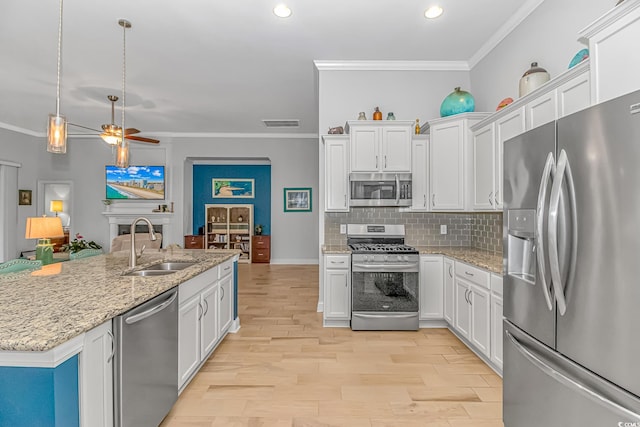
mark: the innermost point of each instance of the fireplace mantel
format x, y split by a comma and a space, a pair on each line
117, 218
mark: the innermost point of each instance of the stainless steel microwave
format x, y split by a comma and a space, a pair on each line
380, 189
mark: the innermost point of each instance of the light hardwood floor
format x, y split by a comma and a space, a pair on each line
284, 369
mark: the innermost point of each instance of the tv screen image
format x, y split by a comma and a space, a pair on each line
135, 183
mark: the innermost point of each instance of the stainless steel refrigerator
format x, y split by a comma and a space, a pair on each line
572, 280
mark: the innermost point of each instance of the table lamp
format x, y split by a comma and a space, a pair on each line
44, 228
56, 206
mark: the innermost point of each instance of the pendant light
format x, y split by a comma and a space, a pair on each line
57, 124
122, 149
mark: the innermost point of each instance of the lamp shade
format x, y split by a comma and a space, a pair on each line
43, 228
56, 206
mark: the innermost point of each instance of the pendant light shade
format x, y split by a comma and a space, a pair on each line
122, 154
122, 149
57, 124
57, 134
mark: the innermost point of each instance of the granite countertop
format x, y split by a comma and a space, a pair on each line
477, 257
42, 309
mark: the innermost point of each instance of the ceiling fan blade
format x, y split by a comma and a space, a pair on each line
130, 131
142, 139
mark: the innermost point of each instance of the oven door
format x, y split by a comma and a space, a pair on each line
384, 296
380, 189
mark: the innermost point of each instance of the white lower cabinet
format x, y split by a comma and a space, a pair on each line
496, 320
337, 288
208, 320
431, 287
449, 290
225, 303
480, 302
96, 377
462, 319
205, 311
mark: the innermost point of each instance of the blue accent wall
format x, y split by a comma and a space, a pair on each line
203, 191
44, 397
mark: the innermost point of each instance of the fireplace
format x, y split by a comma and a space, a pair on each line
120, 223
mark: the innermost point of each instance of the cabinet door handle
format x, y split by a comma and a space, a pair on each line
433, 200
491, 201
200, 311
337, 262
451, 272
496, 198
376, 162
345, 200
425, 201
385, 161
222, 297
470, 295
466, 292
113, 350
468, 274
206, 309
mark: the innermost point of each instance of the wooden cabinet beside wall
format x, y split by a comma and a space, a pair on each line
261, 249
194, 242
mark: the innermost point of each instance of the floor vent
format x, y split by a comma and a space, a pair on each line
271, 123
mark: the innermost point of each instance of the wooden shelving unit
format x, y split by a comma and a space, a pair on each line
229, 227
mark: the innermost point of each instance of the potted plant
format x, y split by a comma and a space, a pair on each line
78, 244
258, 229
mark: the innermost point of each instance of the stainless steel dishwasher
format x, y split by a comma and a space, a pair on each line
146, 362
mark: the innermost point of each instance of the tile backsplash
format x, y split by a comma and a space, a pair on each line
481, 230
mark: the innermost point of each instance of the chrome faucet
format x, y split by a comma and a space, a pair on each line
133, 256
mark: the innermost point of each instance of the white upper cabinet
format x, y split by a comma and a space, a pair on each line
507, 126
615, 65
541, 110
484, 167
378, 146
449, 160
336, 173
419, 174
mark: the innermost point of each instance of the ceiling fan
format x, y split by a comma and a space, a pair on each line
111, 132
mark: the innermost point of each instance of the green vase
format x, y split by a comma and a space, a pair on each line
458, 101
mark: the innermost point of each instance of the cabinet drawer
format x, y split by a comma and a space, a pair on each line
260, 255
225, 269
473, 274
197, 284
337, 262
261, 241
194, 242
496, 284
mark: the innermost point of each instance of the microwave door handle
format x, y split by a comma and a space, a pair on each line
397, 189
548, 173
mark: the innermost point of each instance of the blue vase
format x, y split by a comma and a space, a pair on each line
458, 101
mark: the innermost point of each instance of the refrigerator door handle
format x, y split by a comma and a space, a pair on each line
548, 173
569, 382
563, 169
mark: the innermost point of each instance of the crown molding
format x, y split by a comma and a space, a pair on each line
233, 135
23, 131
329, 65
615, 14
516, 19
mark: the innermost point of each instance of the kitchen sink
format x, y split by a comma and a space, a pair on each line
150, 273
170, 266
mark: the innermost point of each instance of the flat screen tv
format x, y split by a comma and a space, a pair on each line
135, 183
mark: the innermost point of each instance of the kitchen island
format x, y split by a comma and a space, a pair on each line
46, 316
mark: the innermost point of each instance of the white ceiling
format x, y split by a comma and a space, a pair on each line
196, 66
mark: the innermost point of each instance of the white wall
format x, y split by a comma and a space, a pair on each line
409, 94
23, 149
294, 163
548, 36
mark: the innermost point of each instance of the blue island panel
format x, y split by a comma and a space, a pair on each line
40, 396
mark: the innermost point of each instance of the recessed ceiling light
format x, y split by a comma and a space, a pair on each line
433, 12
282, 11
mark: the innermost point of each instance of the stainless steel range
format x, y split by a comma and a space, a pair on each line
384, 278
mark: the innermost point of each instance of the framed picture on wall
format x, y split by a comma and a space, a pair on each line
24, 197
297, 199
233, 188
